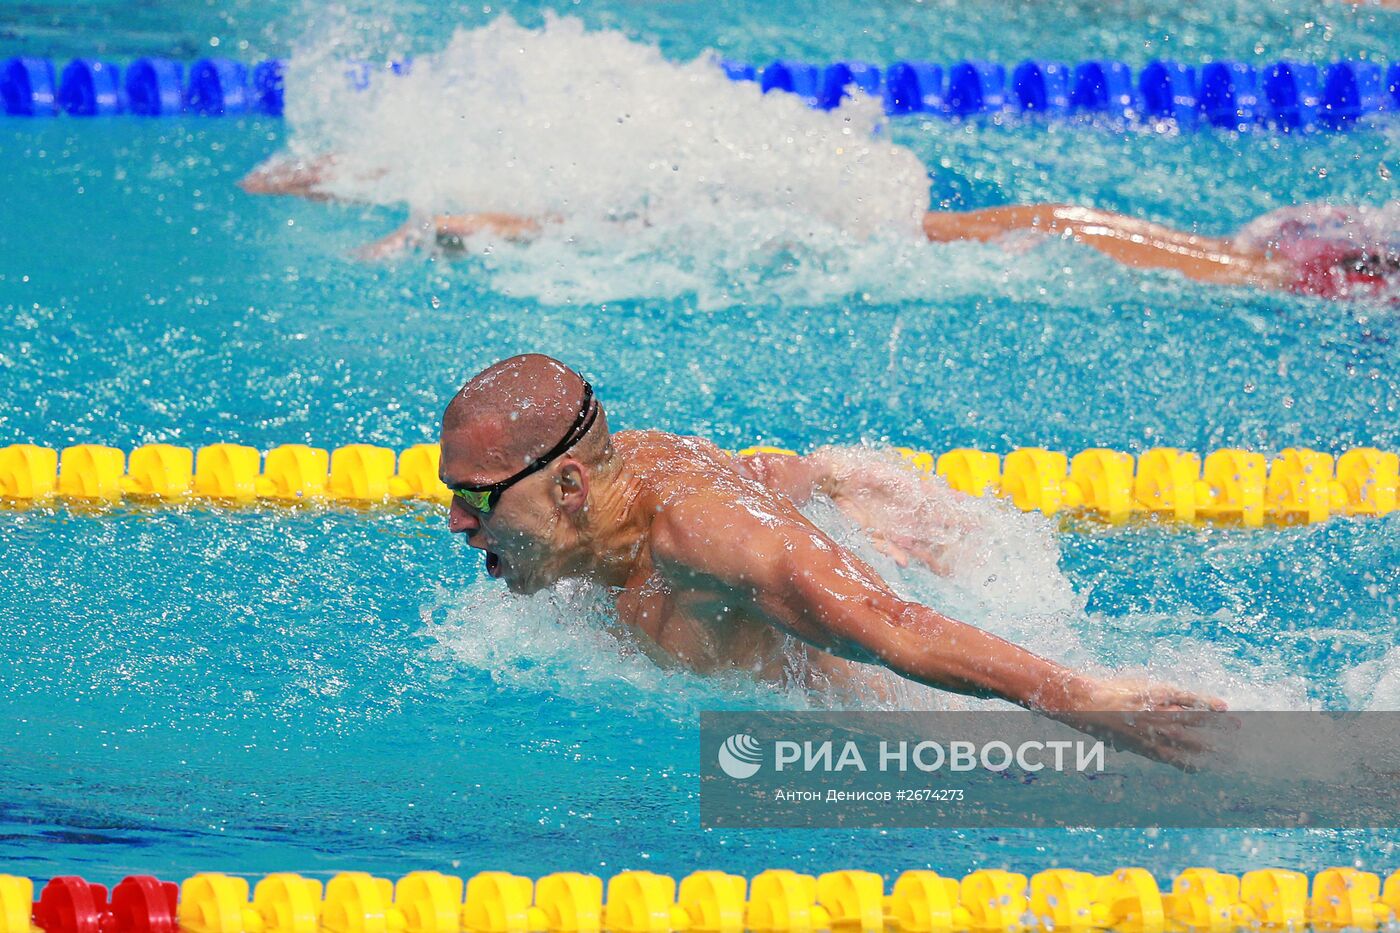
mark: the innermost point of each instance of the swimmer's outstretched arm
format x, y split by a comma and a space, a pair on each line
797, 579
300, 177
1137, 243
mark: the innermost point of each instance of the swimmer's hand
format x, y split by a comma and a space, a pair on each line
1169, 724
302, 178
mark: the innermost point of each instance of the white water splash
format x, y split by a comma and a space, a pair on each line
1375, 684
657, 179
1259, 683
567, 641
561, 121
998, 566
1373, 228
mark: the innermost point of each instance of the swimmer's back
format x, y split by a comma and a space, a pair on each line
674, 468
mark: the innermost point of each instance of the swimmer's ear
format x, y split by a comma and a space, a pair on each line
571, 488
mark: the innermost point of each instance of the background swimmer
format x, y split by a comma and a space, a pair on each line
709, 557
626, 152
1317, 250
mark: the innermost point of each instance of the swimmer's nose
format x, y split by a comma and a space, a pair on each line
460, 520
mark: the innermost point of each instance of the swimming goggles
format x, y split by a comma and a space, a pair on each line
484, 498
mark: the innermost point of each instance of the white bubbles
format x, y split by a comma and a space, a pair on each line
657, 179
560, 121
1291, 231
1374, 684
997, 567
1214, 668
566, 641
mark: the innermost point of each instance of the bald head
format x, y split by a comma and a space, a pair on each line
514, 411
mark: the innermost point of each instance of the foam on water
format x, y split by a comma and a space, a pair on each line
568, 122
659, 179
566, 641
1375, 684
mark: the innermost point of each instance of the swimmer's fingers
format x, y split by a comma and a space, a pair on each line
1167, 738
1183, 738
1186, 761
1167, 697
934, 562
905, 549
917, 550
1162, 748
1187, 747
1186, 739
265, 179
1202, 719
1137, 694
1150, 735
380, 250
255, 182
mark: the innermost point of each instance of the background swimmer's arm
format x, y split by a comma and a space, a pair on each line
303, 178
1133, 242
510, 226
450, 230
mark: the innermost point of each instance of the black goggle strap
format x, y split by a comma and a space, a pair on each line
484, 498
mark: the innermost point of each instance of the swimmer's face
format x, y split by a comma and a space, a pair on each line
527, 536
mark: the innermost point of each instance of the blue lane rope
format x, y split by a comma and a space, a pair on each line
149, 87
1286, 95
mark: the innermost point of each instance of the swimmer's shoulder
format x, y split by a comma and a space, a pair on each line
693, 540
692, 485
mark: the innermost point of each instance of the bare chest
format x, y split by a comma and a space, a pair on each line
700, 630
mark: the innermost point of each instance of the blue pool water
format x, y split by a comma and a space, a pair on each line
326, 689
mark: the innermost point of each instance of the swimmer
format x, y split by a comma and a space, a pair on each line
707, 556
1351, 253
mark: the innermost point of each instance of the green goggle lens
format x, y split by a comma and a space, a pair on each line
481, 501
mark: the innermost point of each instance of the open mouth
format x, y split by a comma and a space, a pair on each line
493, 564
